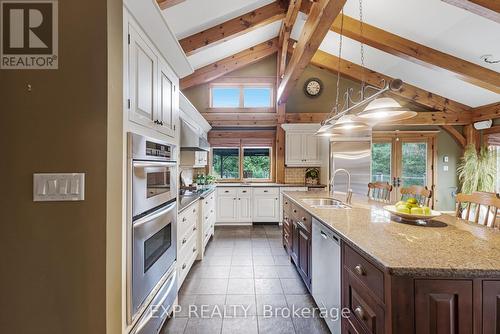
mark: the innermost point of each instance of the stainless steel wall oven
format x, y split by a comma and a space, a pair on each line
153, 229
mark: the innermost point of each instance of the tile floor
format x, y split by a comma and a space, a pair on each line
245, 274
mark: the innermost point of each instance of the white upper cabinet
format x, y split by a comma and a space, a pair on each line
302, 149
143, 64
153, 86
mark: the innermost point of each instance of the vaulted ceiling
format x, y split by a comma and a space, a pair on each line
431, 45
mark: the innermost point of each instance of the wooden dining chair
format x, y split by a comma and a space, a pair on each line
379, 191
422, 194
473, 203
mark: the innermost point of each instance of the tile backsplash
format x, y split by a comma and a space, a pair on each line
295, 174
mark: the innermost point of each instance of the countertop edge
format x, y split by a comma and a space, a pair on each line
419, 272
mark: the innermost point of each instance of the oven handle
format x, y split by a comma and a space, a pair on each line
145, 164
154, 215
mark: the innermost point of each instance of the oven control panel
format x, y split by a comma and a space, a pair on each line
154, 149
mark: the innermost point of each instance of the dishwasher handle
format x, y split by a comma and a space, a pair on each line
324, 235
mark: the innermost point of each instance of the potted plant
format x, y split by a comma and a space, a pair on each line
477, 172
210, 179
312, 176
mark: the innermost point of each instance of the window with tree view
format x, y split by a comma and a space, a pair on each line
257, 163
226, 163
254, 162
381, 162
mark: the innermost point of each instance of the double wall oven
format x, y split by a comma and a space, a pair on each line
152, 230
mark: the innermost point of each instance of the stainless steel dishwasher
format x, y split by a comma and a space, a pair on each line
326, 274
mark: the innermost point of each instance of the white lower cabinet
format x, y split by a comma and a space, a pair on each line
266, 205
234, 205
207, 222
187, 240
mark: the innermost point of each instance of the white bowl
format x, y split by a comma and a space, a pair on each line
411, 217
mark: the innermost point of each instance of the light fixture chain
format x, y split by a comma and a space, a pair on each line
336, 107
362, 49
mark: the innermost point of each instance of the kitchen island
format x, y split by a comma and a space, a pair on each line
402, 278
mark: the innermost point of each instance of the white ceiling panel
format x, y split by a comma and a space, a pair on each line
222, 50
438, 82
192, 16
436, 24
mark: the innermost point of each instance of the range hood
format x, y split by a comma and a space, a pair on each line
191, 140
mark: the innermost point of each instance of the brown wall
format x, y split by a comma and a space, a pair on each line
53, 276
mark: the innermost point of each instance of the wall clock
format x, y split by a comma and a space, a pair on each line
313, 87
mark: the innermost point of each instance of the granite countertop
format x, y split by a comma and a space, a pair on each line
259, 184
459, 249
188, 198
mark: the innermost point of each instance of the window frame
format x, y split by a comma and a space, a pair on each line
241, 83
241, 149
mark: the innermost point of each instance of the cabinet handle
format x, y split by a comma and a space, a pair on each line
286, 235
184, 266
359, 313
243, 191
266, 191
184, 241
226, 191
300, 225
323, 234
359, 270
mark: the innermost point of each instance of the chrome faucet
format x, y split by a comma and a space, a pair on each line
348, 196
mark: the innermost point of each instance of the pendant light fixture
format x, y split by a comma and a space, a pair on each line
345, 119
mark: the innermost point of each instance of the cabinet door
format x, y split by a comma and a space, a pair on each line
166, 111
443, 306
226, 209
491, 309
244, 209
311, 149
294, 254
266, 209
304, 256
143, 69
200, 158
293, 149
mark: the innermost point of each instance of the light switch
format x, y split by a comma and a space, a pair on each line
446, 158
445, 168
59, 187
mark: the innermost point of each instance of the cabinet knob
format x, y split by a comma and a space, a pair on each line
194, 210
304, 219
194, 249
359, 270
359, 312
184, 266
194, 228
184, 219
294, 211
184, 241
234, 199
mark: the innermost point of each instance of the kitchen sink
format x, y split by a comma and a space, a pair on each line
325, 203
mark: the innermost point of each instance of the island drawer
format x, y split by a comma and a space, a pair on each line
227, 191
287, 207
367, 273
303, 218
365, 311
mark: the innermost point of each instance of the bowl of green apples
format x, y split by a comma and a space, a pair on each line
412, 211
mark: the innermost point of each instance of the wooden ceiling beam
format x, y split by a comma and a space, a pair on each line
233, 28
417, 95
227, 65
489, 111
422, 118
290, 18
164, 4
489, 9
321, 17
455, 134
418, 53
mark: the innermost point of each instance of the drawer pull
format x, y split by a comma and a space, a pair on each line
359, 313
226, 191
244, 191
184, 266
184, 241
266, 191
359, 270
